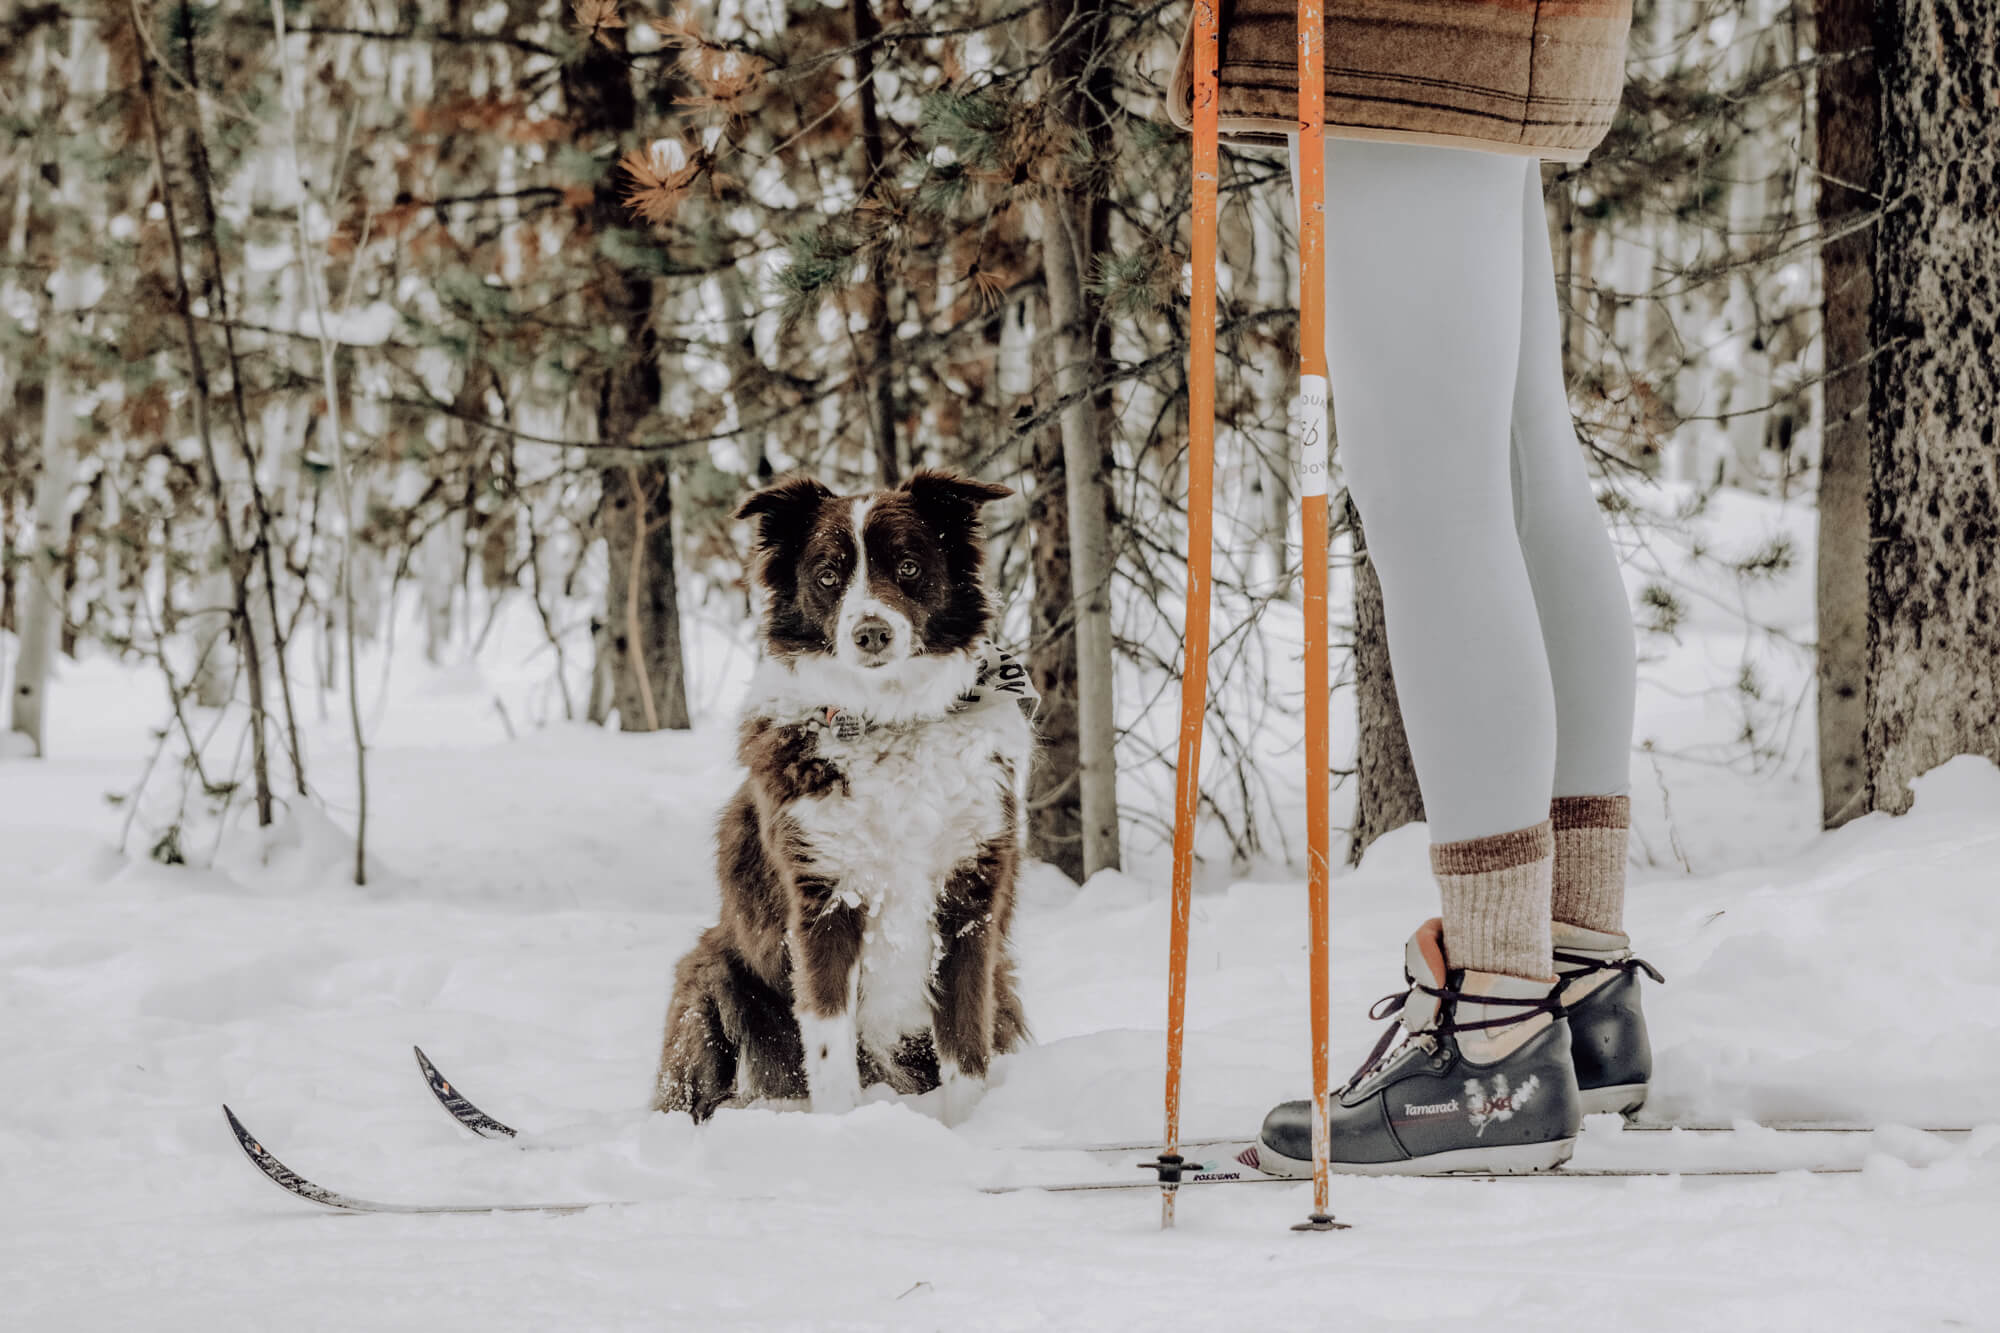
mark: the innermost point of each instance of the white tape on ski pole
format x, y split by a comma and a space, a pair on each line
1310, 429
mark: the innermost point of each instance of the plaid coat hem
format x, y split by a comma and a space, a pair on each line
1539, 78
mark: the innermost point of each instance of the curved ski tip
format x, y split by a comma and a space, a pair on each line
456, 1105
246, 1140
242, 1134
259, 1155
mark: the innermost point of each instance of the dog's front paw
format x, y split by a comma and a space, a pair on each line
960, 1092
833, 1074
831, 1096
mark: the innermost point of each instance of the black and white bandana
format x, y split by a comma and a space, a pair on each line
1001, 676
1001, 679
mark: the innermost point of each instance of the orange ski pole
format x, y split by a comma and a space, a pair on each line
1201, 513
1313, 542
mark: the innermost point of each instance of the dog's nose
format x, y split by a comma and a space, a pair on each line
872, 636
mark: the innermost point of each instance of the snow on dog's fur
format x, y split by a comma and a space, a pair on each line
867, 863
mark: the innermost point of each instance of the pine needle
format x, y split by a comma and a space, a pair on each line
662, 176
598, 19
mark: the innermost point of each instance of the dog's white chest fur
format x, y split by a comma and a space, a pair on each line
920, 800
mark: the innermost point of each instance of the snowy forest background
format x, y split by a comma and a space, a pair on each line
457, 332
376, 383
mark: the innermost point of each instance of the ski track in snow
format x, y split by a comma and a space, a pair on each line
532, 897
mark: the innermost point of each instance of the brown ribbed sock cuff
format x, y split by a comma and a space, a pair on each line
1589, 885
1496, 901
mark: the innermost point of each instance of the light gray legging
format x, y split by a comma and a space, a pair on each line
1509, 630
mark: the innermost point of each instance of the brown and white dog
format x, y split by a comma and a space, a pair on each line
867, 863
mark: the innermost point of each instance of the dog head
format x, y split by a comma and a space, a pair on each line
872, 582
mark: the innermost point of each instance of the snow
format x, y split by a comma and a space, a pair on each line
529, 897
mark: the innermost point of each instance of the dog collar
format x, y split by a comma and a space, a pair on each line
1001, 676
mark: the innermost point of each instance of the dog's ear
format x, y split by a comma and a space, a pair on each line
783, 509
942, 492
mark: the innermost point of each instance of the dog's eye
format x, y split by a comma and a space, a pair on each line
828, 579
907, 570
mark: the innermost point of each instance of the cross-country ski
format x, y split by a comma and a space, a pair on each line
461, 1109
1214, 1162
299, 1187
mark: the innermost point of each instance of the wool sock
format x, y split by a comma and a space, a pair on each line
1589, 886
1496, 894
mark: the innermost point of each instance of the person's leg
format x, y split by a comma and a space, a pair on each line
1424, 254
1586, 620
1587, 627
1424, 282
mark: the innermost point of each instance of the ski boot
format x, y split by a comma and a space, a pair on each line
1481, 1081
1607, 1029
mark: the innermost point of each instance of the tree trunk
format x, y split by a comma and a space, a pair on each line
1750, 387
881, 334
10, 528
603, 685
214, 679
1386, 792
13, 395
440, 563
1055, 805
1272, 481
637, 517
1565, 253
1934, 398
746, 373
1067, 216
1848, 122
636, 512
42, 599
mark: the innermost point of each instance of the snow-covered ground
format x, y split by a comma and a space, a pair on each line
532, 894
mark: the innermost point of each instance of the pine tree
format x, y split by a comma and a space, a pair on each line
1934, 399
1848, 124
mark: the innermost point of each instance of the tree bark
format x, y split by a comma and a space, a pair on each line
1749, 391
1068, 28
1386, 792
747, 372
42, 600
1573, 327
881, 334
214, 679
14, 395
636, 511
1849, 115
1272, 480
1055, 805
637, 515
1934, 398
10, 527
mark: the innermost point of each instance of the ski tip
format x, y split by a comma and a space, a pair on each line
242, 1133
261, 1157
248, 1141
456, 1105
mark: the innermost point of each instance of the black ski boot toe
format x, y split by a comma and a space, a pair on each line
1482, 1082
